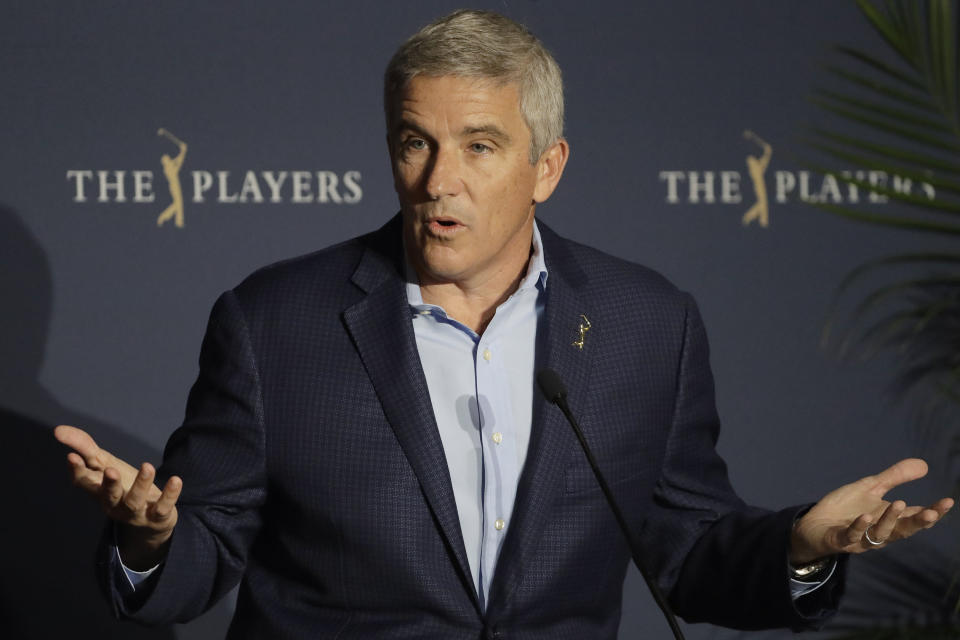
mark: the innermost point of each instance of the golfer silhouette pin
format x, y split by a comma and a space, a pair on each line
583, 328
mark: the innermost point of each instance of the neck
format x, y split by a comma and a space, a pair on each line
473, 306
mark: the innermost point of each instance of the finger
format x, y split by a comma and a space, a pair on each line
904, 471
943, 505
926, 518
884, 527
111, 490
940, 507
82, 476
857, 528
81, 442
136, 496
168, 499
923, 517
77, 466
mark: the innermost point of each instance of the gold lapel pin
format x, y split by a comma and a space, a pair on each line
584, 327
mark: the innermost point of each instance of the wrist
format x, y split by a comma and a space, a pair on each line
801, 552
141, 549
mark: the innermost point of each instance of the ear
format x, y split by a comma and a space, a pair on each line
549, 169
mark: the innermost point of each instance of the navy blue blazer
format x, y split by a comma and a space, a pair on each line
314, 474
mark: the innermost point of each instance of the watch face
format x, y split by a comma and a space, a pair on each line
808, 570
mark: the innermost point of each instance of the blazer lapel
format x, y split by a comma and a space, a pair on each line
393, 364
551, 438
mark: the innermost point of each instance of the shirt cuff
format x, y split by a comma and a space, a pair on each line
134, 578
130, 577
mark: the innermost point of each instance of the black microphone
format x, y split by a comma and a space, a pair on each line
556, 393
552, 386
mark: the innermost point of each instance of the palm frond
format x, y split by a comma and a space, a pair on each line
908, 98
915, 317
899, 170
892, 113
888, 70
900, 117
924, 161
900, 222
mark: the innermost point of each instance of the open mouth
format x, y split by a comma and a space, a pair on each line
444, 226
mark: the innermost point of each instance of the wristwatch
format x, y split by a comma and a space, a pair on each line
810, 572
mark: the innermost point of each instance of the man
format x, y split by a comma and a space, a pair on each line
364, 451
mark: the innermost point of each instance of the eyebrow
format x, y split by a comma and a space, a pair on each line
491, 130
407, 125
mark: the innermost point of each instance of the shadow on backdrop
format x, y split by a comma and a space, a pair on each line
50, 532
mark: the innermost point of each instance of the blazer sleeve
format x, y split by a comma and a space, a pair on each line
720, 560
219, 452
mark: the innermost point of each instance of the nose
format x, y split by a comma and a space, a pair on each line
443, 174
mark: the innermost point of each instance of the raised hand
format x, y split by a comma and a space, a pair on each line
127, 495
856, 518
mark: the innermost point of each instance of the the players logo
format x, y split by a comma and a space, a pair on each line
204, 187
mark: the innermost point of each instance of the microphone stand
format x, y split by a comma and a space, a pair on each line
554, 390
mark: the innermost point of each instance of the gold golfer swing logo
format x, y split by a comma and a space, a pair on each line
171, 170
583, 328
757, 167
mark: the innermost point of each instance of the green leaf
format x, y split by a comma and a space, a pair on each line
920, 101
888, 221
888, 127
942, 31
882, 294
883, 110
897, 260
942, 184
938, 206
895, 37
883, 333
882, 67
924, 161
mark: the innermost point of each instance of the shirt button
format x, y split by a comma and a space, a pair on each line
499, 524
487, 355
497, 437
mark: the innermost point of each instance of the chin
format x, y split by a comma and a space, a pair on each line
441, 273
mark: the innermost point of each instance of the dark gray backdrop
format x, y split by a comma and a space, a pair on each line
103, 311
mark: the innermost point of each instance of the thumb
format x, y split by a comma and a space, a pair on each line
906, 470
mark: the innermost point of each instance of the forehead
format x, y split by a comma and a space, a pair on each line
459, 96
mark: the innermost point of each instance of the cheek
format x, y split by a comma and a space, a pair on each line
406, 175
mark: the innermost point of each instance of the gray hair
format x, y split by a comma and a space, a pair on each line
483, 44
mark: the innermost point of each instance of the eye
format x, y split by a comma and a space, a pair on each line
414, 144
479, 147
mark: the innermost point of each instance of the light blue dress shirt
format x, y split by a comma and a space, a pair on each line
481, 389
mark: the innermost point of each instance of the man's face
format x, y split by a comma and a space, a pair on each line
460, 152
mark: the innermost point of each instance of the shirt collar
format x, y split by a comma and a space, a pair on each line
536, 275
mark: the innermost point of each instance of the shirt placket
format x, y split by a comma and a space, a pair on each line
498, 451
